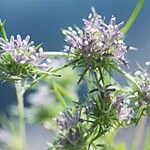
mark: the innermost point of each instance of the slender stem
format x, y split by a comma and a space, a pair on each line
2, 30
46, 75
133, 16
128, 76
19, 93
58, 54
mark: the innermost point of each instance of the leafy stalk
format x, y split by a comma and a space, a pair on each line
119, 69
133, 17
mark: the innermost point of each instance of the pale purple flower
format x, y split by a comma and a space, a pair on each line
143, 78
41, 97
97, 39
67, 119
125, 113
23, 51
4, 136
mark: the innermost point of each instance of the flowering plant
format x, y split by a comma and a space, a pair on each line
97, 50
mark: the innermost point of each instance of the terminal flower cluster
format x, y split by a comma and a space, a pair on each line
23, 51
97, 39
143, 79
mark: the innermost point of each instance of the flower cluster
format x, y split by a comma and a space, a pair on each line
66, 119
20, 59
70, 124
23, 51
125, 113
97, 40
71, 119
143, 79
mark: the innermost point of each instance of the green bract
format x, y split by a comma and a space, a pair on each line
10, 70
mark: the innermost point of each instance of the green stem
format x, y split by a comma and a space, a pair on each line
2, 30
133, 17
46, 75
58, 54
128, 76
19, 93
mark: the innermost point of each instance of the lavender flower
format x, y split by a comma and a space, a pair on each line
124, 112
41, 97
97, 39
4, 136
23, 51
66, 119
143, 78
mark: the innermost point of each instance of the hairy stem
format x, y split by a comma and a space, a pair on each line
19, 93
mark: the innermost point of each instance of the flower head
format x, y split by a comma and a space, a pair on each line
20, 59
67, 119
23, 51
125, 113
97, 40
143, 78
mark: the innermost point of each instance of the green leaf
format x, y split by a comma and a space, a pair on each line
82, 75
64, 91
58, 95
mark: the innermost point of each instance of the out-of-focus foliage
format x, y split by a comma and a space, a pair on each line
60, 93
